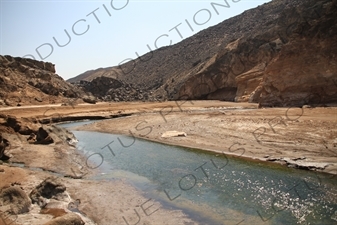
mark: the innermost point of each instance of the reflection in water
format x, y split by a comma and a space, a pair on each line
214, 189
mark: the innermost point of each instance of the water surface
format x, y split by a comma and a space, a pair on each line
213, 188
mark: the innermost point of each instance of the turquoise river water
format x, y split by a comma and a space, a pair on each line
212, 188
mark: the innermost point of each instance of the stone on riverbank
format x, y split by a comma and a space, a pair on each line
67, 219
49, 188
15, 200
173, 133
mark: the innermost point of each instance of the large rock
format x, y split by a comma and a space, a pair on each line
59, 134
89, 99
49, 188
22, 126
173, 133
15, 199
67, 219
43, 137
38, 134
3, 145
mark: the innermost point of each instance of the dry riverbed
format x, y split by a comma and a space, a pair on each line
303, 138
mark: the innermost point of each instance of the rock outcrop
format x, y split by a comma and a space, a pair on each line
3, 145
67, 219
15, 199
291, 62
49, 197
305, 70
49, 188
27, 81
282, 53
22, 126
37, 133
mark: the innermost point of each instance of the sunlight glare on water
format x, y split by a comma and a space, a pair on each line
213, 189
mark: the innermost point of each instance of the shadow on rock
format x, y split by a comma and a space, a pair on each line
49, 188
3, 145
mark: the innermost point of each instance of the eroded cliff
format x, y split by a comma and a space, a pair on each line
27, 81
278, 54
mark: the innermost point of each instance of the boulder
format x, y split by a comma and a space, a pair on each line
22, 126
59, 134
42, 137
16, 199
9, 102
3, 144
49, 188
32, 138
67, 219
173, 134
89, 99
38, 134
38, 99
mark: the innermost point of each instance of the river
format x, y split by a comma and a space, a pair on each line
212, 188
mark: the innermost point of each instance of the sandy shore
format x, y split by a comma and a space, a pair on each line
101, 202
303, 138
110, 202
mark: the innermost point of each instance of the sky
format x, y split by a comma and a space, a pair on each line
83, 35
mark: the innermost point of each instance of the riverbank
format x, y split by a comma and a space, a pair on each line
100, 202
298, 137
303, 138
30, 164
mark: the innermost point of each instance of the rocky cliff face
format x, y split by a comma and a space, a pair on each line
27, 81
279, 54
305, 70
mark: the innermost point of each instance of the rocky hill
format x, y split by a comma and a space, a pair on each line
26, 82
110, 89
278, 54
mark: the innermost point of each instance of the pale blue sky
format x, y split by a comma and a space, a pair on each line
26, 25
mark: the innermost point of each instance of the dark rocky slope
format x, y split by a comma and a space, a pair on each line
278, 54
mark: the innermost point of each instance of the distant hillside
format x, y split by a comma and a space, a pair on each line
278, 54
92, 74
26, 82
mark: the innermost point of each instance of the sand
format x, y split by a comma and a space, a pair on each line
302, 138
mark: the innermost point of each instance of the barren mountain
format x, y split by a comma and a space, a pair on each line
27, 81
278, 54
